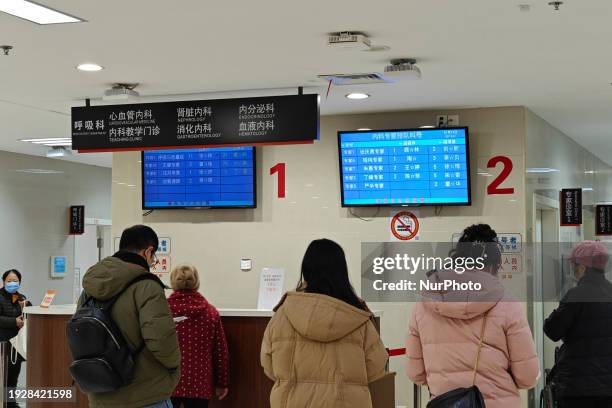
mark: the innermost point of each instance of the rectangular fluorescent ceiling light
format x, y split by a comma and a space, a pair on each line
39, 171
36, 13
542, 170
53, 141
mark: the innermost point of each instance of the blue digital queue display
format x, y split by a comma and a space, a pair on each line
208, 177
405, 167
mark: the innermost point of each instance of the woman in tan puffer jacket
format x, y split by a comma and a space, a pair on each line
321, 348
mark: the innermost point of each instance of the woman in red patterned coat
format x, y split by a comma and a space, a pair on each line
204, 355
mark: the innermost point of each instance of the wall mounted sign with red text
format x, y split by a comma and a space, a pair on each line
163, 266
219, 122
405, 226
571, 207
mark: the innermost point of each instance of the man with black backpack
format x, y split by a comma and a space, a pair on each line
122, 337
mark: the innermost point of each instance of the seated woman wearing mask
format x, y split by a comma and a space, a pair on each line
11, 321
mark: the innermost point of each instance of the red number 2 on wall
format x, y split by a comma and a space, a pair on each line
280, 169
493, 188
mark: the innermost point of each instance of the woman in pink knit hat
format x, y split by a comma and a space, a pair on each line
583, 320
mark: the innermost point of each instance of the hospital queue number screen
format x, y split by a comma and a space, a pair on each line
212, 177
405, 167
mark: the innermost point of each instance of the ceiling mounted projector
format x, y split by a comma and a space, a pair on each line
348, 41
58, 151
121, 92
402, 69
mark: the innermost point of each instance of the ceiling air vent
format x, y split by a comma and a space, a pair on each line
356, 79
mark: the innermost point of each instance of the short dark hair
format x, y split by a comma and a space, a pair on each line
7, 273
138, 238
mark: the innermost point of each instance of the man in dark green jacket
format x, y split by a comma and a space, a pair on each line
143, 316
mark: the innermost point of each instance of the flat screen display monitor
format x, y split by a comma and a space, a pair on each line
222, 177
405, 167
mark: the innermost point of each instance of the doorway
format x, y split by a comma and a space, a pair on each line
547, 279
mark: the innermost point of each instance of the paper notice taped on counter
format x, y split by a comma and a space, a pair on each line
270, 288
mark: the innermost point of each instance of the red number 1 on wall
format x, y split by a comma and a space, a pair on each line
280, 170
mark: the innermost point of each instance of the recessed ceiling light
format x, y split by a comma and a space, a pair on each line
357, 95
364, 129
589, 172
427, 127
58, 151
35, 12
587, 189
89, 67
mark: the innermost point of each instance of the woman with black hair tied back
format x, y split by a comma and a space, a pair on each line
11, 321
463, 338
321, 348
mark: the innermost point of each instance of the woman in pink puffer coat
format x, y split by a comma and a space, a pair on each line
444, 332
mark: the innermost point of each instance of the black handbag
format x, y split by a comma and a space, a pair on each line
463, 397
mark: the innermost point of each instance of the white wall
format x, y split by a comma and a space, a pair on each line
548, 147
34, 217
278, 231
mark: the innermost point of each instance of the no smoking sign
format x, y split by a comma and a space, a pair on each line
405, 226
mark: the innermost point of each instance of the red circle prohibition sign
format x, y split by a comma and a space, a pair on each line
404, 225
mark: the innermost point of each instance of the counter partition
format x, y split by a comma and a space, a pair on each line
48, 356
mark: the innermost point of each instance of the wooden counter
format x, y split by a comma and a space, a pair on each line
249, 386
48, 357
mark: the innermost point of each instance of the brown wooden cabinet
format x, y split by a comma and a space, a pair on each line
48, 358
249, 386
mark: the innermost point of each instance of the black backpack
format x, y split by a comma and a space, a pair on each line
102, 360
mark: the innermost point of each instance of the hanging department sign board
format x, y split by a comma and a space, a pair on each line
603, 219
288, 119
571, 207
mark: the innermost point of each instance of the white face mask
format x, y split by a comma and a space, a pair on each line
153, 262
